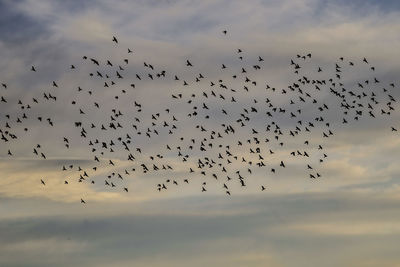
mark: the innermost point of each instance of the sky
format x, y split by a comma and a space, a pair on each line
348, 217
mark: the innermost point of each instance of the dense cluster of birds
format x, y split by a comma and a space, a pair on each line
246, 137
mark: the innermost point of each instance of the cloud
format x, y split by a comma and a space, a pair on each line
183, 231
23, 179
345, 218
166, 38
359, 228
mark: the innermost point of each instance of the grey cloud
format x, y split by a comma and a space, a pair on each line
184, 225
182, 238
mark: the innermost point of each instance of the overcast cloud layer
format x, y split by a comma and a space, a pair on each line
348, 218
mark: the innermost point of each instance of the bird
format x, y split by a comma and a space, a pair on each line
263, 188
221, 126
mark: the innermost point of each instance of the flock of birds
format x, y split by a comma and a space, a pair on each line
231, 138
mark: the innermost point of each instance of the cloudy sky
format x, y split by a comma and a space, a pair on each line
349, 217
